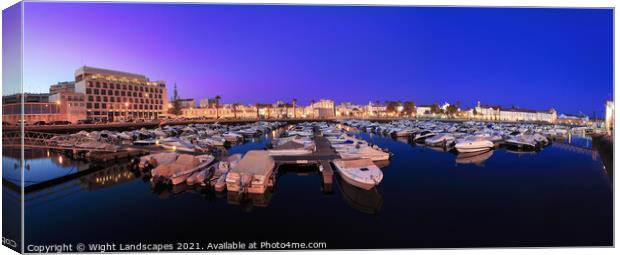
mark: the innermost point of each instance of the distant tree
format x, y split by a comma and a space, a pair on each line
435, 108
176, 104
257, 105
294, 108
475, 112
392, 106
452, 110
313, 101
217, 106
234, 106
409, 107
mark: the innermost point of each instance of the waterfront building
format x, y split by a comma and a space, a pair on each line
497, 113
376, 109
71, 104
486, 112
113, 95
27, 98
526, 115
609, 116
208, 102
566, 119
66, 86
225, 111
36, 107
282, 110
349, 110
324, 108
187, 103
35, 110
423, 110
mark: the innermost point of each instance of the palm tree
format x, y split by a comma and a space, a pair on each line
217, 106
313, 101
295, 108
235, 109
257, 115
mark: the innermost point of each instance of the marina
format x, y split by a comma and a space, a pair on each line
302, 182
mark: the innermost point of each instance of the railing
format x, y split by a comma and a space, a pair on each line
47, 141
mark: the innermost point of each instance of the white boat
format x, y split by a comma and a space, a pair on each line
473, 144
177, 144
178, 171
232, 136
403, 132
252, 173
365, 152
145, 142
212, 141
181, 176
362, 173
421, 137
440, 140
522, 141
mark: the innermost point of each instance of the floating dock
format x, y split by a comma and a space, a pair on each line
321, 157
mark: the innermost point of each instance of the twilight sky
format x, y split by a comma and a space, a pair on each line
530, 58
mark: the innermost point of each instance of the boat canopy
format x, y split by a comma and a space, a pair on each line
255, 162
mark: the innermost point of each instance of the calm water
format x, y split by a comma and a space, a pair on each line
429, 198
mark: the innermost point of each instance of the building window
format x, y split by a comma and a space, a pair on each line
88, 91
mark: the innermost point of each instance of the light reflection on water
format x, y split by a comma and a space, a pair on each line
428, 198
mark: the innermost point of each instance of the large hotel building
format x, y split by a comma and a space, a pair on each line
113, 95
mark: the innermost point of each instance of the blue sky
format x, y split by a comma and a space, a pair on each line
527, 57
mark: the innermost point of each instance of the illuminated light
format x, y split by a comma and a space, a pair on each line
157, 142
58, 102
60, 159
174, 147
126, 104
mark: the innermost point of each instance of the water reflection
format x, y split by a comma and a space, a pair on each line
476, 158
366, 201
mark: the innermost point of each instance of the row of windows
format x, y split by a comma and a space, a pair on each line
121, 93
72, 98
123, 107
120, 100
135, 114
140, 88
31, 109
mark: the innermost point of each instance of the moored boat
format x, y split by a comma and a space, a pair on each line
362, 173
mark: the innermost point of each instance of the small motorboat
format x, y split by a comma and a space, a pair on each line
361, 173
522, 142
440, 140
473, 144
366, 152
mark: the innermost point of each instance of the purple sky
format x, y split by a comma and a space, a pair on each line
530, 58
